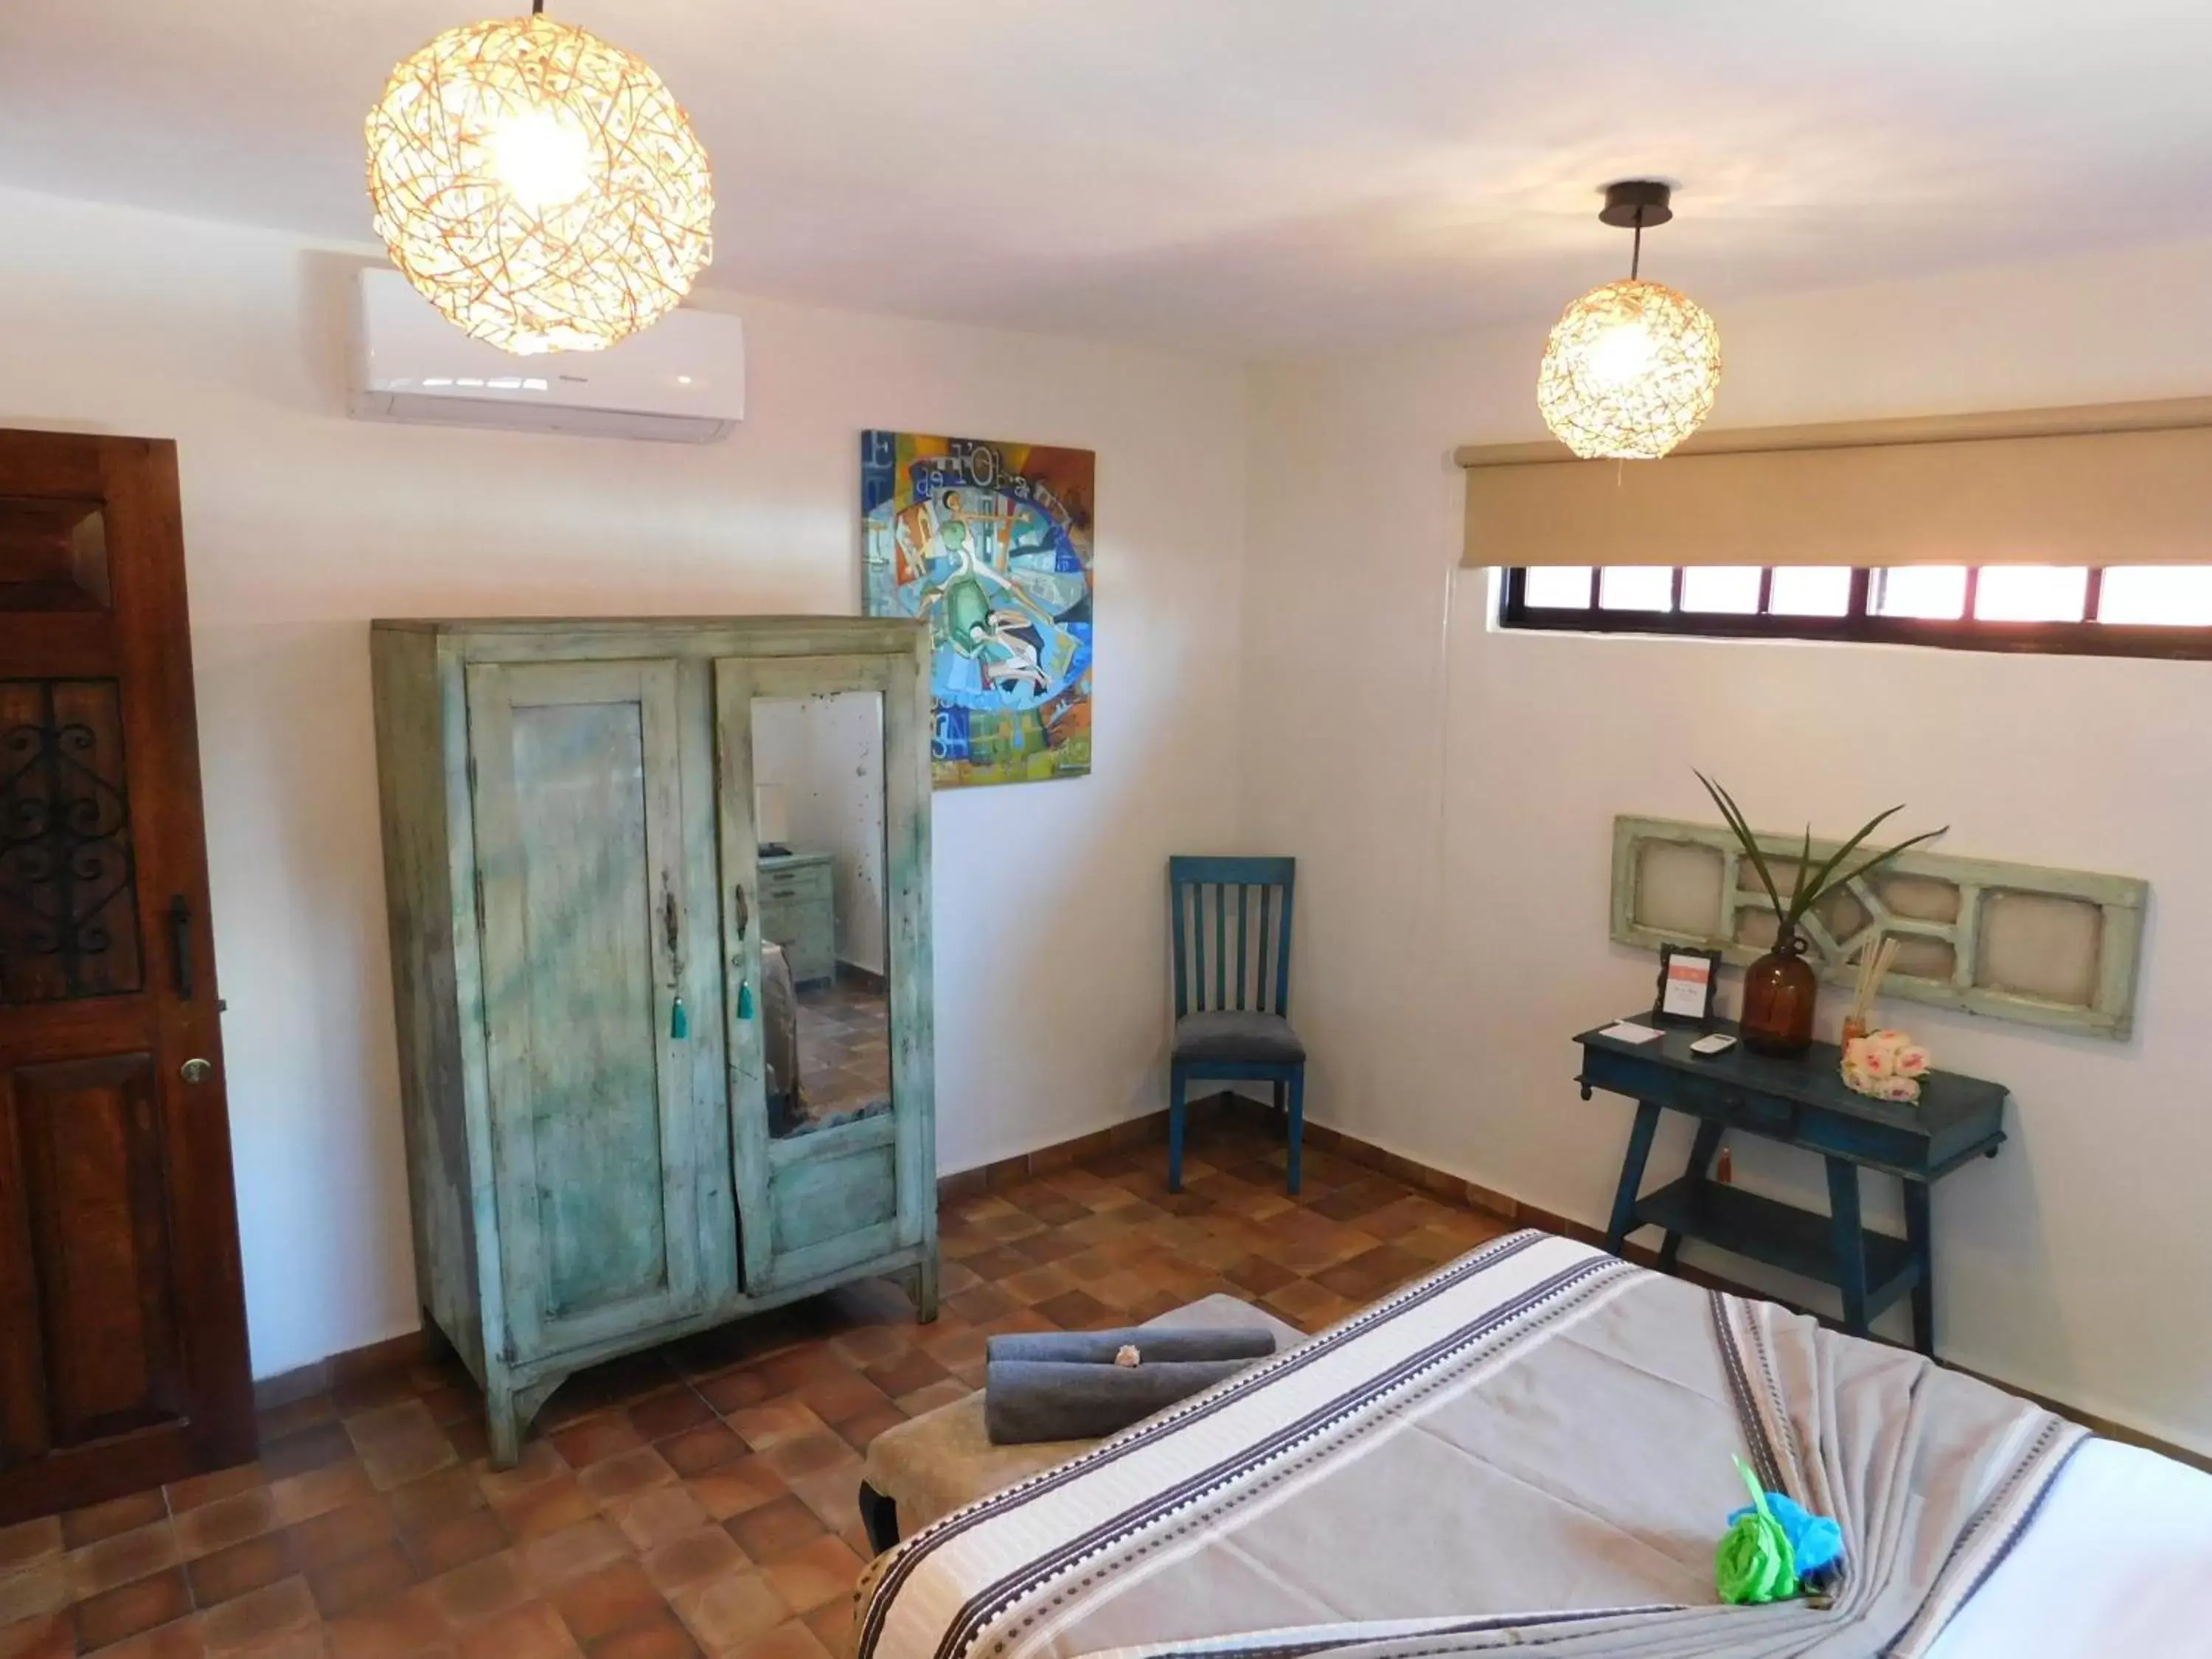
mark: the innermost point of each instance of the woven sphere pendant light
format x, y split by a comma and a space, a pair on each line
1632, 368
541, 187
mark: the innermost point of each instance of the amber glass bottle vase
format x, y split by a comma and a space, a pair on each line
1778, 993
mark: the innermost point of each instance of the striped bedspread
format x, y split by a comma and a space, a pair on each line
1530, 1447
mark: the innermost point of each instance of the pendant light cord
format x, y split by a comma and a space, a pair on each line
538, 8
1635, 257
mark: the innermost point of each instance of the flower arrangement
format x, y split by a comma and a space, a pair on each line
1885, 1065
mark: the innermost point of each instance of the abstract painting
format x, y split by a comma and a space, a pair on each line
989, 543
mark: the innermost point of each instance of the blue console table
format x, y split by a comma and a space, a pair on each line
1803, 1102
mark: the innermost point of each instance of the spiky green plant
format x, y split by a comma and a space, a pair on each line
1812, 885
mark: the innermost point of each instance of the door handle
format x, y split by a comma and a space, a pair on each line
196, 1071
180, 947
668, 922
743, 913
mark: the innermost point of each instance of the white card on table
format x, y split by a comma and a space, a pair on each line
1625, 1032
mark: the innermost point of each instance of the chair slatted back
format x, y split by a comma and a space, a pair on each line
1216, 902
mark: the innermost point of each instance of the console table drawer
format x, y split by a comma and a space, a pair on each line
1718, 1098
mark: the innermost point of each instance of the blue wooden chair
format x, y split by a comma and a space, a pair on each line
1242, 1033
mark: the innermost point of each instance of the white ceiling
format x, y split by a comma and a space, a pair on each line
1250, 175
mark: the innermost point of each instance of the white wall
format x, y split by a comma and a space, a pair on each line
301, 525
1449, 792
828, 754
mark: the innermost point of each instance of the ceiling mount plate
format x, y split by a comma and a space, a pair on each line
1631, 197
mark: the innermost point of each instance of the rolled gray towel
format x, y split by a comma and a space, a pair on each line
1032, 1399
1151, 1342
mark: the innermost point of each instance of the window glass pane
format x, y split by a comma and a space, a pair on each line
1810, 590
1558, 586
2031, 592
1921, 590
1732, 588
2176, 595
1636, 587
1803, 601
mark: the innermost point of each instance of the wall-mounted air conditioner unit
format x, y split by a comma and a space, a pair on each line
683, 380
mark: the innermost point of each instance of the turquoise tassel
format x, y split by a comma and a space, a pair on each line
679, 1022
745, 1000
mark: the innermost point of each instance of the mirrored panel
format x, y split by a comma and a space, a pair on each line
824, 1001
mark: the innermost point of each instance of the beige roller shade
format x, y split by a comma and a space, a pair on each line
2110, 484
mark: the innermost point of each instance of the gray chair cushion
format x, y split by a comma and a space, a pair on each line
1237, 1034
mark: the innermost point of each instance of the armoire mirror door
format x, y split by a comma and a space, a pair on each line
823, 780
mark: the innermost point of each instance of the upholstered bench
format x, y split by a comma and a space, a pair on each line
943, 1459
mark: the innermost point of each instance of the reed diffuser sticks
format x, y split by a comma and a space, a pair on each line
1874, 966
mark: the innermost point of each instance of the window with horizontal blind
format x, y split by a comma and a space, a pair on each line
2125, 610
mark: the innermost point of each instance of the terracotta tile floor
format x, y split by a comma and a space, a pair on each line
844, 1048
699, 1499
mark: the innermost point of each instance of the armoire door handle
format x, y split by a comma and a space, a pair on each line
744, 913
679, 1020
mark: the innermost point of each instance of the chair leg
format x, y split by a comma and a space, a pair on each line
1277, 1087
1297, 1123
1175, 1086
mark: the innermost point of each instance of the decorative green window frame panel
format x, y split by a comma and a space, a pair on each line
2057, 948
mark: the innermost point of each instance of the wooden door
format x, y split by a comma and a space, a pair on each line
817, 1194
600, 1140
123, 1351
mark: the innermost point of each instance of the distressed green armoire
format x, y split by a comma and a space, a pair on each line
573, 888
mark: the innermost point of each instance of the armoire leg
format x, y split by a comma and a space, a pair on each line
504, 1423
920, 1284
510, 1410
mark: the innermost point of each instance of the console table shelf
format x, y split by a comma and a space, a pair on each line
1781, 1235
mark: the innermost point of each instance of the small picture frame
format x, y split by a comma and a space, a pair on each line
1688, 979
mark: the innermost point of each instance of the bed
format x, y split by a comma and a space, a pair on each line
2118, 1562
1533, 1448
